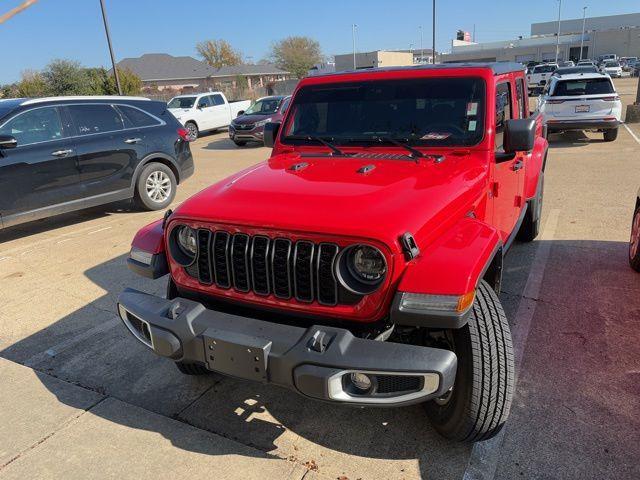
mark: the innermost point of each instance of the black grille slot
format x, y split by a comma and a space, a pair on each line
204, 266
280, 265
240, 261
260, 265
327, 283
221, 259
398, 383
303, 271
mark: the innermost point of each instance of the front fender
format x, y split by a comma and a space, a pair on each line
451, 268
147, 256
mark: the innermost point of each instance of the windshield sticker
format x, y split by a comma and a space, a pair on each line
435, 136
472, 109
421, 103
472, 125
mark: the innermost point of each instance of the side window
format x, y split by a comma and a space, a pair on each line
503, 111
522, 98
134, 118
217, 99
285, 104
90, 119
34, 126
204, 102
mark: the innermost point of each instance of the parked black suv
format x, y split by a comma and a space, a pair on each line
68, 153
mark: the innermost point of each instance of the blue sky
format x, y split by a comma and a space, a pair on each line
73, 28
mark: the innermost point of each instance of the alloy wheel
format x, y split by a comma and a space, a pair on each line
158, 186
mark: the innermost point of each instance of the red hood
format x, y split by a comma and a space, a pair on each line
331, 196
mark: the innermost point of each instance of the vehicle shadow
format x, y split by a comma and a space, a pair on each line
227, 144
35, 227
107, 359
571, 140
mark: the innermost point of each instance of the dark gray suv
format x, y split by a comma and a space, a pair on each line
67, 153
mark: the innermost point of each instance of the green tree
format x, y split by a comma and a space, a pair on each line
31, 84
219, 53
296, 54
130, 82
66, 77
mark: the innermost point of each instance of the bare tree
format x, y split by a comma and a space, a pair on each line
219, 53
296, 54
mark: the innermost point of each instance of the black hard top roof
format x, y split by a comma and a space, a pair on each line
498, 68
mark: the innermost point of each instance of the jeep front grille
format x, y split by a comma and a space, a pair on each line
302, 270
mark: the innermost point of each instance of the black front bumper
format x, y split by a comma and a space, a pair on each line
316, 362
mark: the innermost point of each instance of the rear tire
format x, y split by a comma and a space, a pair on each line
192, 369
156, 186
634, 243
479, 403
530, 227
610, 135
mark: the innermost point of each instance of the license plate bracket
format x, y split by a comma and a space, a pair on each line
583, 108
237, 354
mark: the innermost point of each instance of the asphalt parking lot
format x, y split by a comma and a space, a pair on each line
80, 398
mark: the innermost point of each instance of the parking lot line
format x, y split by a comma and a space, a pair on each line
635, 137
484, 455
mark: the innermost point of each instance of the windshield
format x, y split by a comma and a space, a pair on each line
181, 102
590, 86
544, 69
265, 106
425, 111
611, 64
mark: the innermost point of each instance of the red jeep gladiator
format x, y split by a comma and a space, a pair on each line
361, 262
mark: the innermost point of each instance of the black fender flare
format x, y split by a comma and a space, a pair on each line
157, 157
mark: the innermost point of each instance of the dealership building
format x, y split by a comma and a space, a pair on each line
619, 34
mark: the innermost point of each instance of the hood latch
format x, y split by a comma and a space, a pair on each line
409, 246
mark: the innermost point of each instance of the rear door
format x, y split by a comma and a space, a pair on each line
506, 186
222, 114
42, 171
107, 152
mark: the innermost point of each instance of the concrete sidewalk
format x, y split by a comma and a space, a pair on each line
53, 429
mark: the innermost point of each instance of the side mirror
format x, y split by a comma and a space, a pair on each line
519, 135
240, 113
201, 106
7, 141
271, 130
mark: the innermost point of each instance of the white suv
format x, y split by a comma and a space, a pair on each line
612, 68
582, 101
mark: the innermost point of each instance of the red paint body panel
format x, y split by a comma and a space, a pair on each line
150, 238
330, 201
453, 264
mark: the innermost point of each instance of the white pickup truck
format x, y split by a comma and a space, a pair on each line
539, 76
201, 112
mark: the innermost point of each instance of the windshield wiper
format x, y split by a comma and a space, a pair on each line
334, 149
401, 142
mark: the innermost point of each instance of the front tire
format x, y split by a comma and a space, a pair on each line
634, 244
479, 403
610, 135
155, 187
193, 130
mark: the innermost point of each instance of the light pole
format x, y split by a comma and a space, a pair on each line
558, 36
584, 18
433, 43
113, 59
353, 35
421, 47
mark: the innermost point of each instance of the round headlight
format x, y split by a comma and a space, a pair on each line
187, 241
361, 269
367, 263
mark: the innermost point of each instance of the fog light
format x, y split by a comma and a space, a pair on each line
361, 381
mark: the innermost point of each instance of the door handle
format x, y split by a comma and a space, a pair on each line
518, 165
62, 153
132, 140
